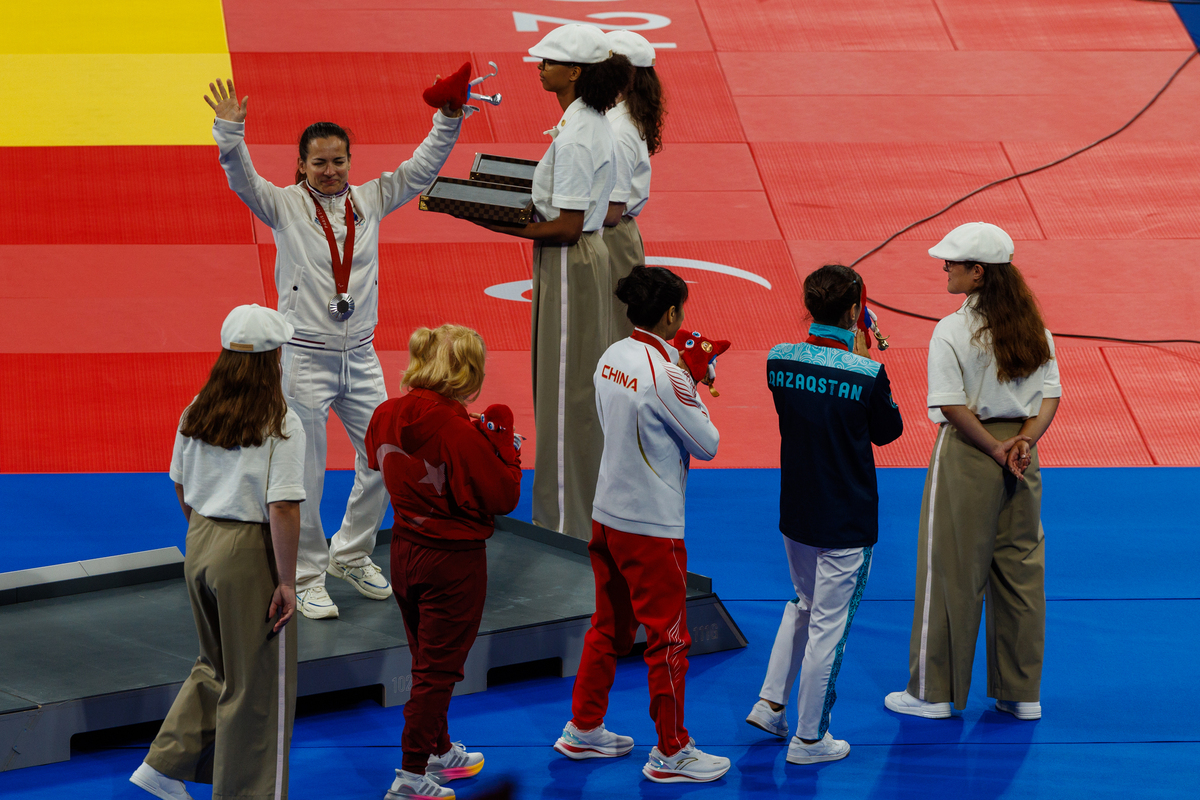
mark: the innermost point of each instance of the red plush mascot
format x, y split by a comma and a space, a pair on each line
454, 90
699, 356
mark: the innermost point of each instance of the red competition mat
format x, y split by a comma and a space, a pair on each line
799, 132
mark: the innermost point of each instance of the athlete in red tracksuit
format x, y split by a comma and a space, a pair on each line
447, 475
653, 422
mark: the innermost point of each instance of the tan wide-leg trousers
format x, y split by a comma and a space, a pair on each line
980, 536
231, 724
570, 315
625, 251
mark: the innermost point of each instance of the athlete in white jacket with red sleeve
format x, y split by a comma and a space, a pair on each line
653, 422
328, 281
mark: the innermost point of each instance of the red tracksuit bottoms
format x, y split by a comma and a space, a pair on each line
440, 594
639, 579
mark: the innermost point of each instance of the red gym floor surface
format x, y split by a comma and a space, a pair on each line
800, 132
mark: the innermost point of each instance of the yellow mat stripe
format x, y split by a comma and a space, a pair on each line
114, 26
74, 100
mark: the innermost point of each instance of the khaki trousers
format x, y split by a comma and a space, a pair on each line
625, 251
980, 536
231, 724
570, 316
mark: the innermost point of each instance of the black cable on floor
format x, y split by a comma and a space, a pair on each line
1053, 163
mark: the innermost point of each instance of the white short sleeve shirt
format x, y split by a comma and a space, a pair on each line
239, 483
961, 373
577, 173
632, 161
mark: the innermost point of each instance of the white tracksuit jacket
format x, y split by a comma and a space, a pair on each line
653, 421
303, 272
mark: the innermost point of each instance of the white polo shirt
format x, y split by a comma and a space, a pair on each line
961, 373
632, 161
239, 483
577, 173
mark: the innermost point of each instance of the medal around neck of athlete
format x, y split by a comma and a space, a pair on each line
341, 305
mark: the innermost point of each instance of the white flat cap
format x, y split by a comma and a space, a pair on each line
573, 44
975, 241
254, 329
633, 46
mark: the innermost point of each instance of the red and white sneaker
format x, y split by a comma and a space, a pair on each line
596, 743
454, 764
689, 765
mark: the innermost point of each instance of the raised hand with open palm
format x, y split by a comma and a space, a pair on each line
225, 103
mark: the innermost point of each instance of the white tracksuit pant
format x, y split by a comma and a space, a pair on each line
351, 383
812, 635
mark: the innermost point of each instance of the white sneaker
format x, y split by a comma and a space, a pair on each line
773, 722
409, 786
454, 764
367, 579
689, 764
596, 743
1020, 710
827, 749
157, 784
315, 603
905, 703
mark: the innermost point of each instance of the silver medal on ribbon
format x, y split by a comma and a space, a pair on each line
341, 307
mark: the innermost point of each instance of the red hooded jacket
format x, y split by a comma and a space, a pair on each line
445, 477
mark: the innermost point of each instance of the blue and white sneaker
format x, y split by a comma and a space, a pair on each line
315, 603
367, 579
596, 743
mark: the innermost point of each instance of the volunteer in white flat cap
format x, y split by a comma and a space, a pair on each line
637, 121
572, 291
327, 275
238, 468
993, 388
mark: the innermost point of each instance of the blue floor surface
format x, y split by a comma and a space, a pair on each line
1119, 689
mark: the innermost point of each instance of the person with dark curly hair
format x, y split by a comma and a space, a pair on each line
572, 293
637, 121
993, 389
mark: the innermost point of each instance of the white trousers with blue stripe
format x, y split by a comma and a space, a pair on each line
812, 635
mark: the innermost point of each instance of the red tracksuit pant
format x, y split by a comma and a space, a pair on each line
441, 594
639, 579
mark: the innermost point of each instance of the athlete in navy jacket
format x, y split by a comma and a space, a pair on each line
833, 402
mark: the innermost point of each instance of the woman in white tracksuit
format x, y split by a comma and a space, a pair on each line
327, 275
637, 124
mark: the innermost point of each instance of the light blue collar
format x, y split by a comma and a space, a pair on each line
830, 332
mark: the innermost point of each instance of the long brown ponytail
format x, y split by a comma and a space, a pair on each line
644, 99
1013, 325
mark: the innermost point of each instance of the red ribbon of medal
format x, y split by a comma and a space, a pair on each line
341, 266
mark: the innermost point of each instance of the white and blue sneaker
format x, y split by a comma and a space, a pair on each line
689, 765
596, 743
454, 764
773, 722
315, 603
148, 778
367, 579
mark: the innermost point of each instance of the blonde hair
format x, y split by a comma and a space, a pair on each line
448, 360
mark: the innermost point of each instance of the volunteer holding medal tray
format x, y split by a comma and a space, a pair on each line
327, 274
572, 292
